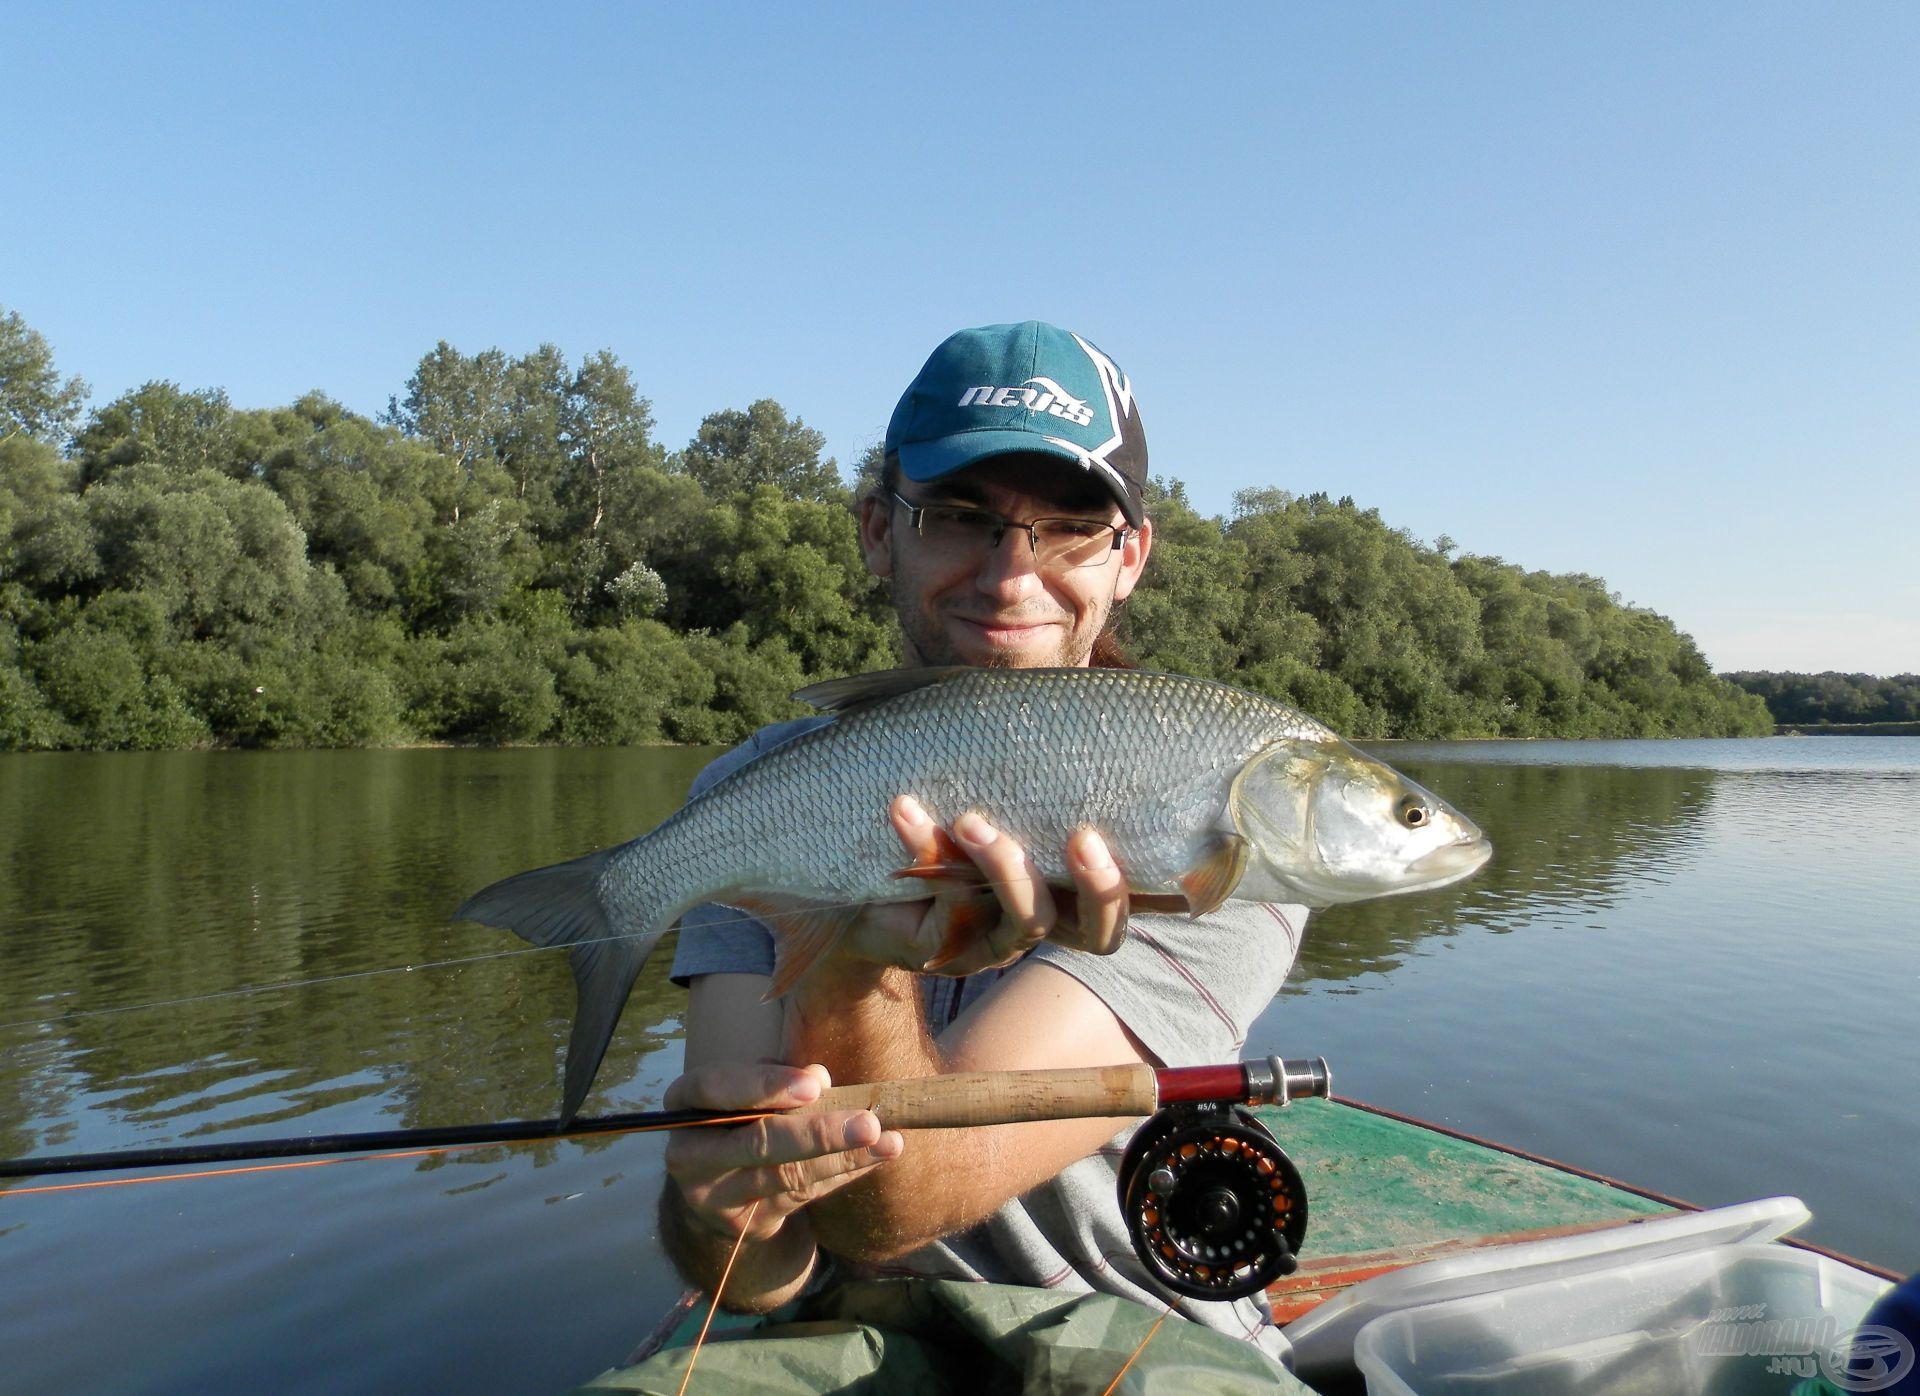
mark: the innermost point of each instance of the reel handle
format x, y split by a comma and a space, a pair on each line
965, 1098
1000, 1097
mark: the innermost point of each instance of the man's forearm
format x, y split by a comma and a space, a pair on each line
866, 1022
766, 1274
863, 1022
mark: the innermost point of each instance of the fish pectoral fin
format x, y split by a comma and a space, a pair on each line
803, 931
967, 922
1166, 903
947, 862
1211, 881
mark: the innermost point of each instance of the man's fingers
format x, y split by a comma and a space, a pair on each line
960, 932
915, 829
693, 1155
1099, 914
1026, 904
783, 1189
747, 1086
782, 1164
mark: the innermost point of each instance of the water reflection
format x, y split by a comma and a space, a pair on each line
1563, 836
184, 879
1713, 996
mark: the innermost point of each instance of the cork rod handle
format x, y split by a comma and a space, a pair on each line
1000, 1097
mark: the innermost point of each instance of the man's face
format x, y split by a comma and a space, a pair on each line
981, 607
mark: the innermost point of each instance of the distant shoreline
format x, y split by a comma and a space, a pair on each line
1848, 729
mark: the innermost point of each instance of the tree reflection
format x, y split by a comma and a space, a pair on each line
1562, 835
187, 880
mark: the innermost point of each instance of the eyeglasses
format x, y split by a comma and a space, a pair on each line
1057, 543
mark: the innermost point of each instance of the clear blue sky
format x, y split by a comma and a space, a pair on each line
1625, 289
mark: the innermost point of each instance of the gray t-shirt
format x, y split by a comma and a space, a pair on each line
1186, 989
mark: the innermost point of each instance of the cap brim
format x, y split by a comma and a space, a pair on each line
926, 461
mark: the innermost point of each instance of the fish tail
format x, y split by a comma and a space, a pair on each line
561, 905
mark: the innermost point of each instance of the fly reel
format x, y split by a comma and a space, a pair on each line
1215, 1208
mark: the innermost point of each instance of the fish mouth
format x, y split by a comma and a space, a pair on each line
1451, 862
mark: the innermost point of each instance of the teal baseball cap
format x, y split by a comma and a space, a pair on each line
1030, 389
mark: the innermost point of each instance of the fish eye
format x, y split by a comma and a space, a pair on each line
1413, 814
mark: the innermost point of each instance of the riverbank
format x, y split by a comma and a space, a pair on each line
1847, 729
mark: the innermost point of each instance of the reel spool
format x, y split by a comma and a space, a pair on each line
1215, 1208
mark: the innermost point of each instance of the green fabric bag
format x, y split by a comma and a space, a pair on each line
933, 1337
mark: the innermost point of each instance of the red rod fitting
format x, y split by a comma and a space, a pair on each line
1186, 1084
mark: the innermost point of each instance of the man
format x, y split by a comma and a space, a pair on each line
1010, 522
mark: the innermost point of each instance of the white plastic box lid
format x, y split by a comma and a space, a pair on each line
1716, 1320
1322, 1339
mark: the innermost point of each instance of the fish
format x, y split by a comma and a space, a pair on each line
1203, 791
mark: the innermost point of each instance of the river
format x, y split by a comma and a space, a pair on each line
1691, 965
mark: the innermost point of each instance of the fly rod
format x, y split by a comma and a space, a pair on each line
930, 1102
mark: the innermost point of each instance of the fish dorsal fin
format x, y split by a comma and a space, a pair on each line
857, 690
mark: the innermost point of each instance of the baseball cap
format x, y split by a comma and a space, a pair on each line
1028, 388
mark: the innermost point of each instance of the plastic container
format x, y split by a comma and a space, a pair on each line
1323, 1339
1727, 1320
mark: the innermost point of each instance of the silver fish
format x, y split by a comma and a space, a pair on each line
1202, 791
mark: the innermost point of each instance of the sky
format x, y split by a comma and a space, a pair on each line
1629, 290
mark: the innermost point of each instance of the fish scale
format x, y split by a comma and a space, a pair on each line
801, 835
979, 741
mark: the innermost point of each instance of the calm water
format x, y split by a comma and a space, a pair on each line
1692, 965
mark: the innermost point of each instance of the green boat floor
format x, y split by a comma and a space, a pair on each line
1376, 1183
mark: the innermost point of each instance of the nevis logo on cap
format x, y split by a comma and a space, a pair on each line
1049, 397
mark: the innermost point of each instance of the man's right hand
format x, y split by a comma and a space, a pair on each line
782, 1162
997, 906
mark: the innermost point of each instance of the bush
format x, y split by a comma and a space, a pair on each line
619, 685
484, 683
99, 682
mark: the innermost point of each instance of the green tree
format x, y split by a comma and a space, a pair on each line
214, 553
35, 401
1834, 697
606, 430
486, 681
458, 405
46, 541
752, 686
736, 451
1187, 613
369, 501
159, 424
624, 685
103, 675
788, 570
473, 561
867, 471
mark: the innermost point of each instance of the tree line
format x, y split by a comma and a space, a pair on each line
507, 554
1831, 697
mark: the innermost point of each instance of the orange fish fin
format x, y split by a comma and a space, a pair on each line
968, 876
802, 932
1170, 903
947, 862
966, 923
1211, 881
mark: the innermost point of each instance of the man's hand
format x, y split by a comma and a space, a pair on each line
971, 924
783, 1162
